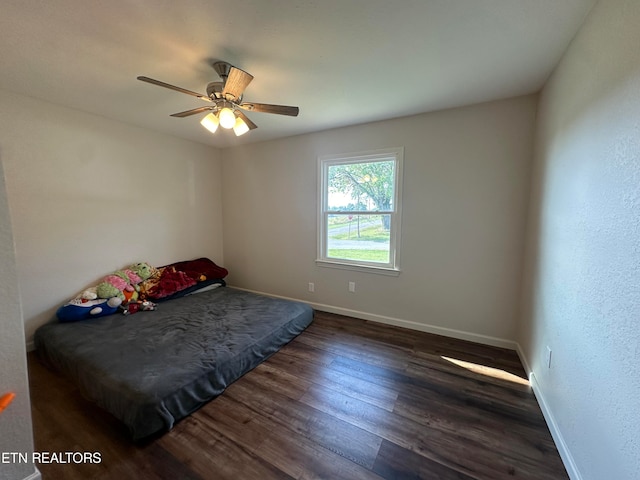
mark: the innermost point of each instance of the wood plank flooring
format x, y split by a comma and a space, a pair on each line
347, 399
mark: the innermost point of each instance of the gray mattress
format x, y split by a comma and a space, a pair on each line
153, 368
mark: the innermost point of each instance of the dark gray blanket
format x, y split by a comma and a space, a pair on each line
153, 368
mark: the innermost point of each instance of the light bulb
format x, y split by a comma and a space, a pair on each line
227, 118
240, 128
210, 122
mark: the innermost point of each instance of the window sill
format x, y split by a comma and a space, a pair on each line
392, 272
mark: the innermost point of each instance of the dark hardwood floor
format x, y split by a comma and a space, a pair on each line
346, 399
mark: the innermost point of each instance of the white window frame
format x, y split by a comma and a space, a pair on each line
324, 162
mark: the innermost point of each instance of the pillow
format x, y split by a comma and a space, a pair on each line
213, 286
197, 288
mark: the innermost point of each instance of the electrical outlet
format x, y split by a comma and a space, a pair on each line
352, 287
312, 287
548, 356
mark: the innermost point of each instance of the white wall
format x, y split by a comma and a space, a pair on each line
582, 284
466, 177
89, 195
15, 421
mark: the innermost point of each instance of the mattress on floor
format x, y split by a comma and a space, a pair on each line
153, 368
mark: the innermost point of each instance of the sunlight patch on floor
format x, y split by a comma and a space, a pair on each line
488, 371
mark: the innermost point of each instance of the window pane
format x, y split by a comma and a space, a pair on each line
362, 238
359, 210
361, 186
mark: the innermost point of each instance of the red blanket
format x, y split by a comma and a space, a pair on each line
179, 276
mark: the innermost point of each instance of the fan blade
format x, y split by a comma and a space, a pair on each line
236, 82
173, 87
249, 123
266, 108
191, 112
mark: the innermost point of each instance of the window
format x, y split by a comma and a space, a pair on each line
359, 216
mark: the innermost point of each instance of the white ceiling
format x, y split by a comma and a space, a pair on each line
342, 62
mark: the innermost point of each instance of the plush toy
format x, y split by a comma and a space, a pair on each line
134, 307
124, 283
89, 294
83, 309
114, 285
143, 270
119, 288
133, 278
130, 296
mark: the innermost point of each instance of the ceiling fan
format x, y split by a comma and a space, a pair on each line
225, 100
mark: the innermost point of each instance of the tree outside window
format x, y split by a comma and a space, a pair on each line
360, 218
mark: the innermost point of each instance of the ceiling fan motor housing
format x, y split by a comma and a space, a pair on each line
222, 69
214, 90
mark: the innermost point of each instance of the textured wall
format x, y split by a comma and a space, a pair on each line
582, 289
15, 422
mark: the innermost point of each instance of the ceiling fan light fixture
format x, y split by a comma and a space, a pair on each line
240, 128
210, 122
225, 101
227, 118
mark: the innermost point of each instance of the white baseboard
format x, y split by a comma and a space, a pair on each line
398, 322
561, 445
523, 360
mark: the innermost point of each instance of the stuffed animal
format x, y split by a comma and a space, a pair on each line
137, 273
134, 278
119, 288
143, 270
81, 309
124, 283
89, 294
134, 307
131, 292
114, 285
